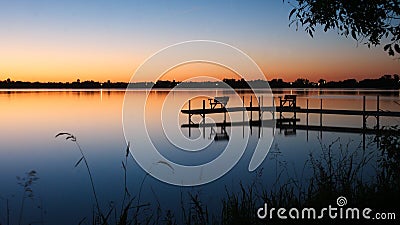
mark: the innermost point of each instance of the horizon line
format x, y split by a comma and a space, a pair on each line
178, 81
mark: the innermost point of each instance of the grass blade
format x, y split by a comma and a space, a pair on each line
63, 133
79, 161
127, 149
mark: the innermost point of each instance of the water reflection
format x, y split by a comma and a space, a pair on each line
32, 118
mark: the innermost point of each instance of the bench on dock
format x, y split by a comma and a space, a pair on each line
290, 99
222, 101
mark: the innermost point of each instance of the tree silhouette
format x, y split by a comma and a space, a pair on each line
367, 21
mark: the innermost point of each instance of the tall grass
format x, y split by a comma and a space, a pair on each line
336, 170
72, 138
26, 183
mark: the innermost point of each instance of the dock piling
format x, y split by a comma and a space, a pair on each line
320, 119
364, 122
363, 114
204, 119
307, 114
251, 109
307, 119
320, 114
189, 119
259, 110
244, 109
377, 112
273, 106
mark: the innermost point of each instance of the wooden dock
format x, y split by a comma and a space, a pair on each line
288, 105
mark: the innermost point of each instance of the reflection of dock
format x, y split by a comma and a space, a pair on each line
285, 125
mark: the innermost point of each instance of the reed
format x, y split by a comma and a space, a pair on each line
72, 138
336, 170
26, 183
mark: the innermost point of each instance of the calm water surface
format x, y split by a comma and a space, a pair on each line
31, 118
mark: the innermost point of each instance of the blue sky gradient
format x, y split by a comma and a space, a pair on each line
100, 40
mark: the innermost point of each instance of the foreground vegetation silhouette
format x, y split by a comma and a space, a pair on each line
337, 171
368, 22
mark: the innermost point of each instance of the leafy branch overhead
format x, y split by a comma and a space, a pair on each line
370, 22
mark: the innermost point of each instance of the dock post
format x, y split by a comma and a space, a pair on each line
204, 111
364, 122
273, 106
259, 110
320, 119
251, 109
189, 120
307, 114
377, 112
204, 119
244, 109
251, 115
294, 109
307, 119
363, 114
377, 122
280, 107
190, 113
262, 105
320, 113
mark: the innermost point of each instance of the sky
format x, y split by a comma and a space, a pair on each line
108, 40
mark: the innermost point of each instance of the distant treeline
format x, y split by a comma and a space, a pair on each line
384, 82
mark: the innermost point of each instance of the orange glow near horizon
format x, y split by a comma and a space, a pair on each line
49, 62
61, 64
332, 63
67, 67
192, 70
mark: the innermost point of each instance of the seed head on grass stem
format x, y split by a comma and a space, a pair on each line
26, 183
72, 138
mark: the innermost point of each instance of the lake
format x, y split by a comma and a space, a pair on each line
30, 119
